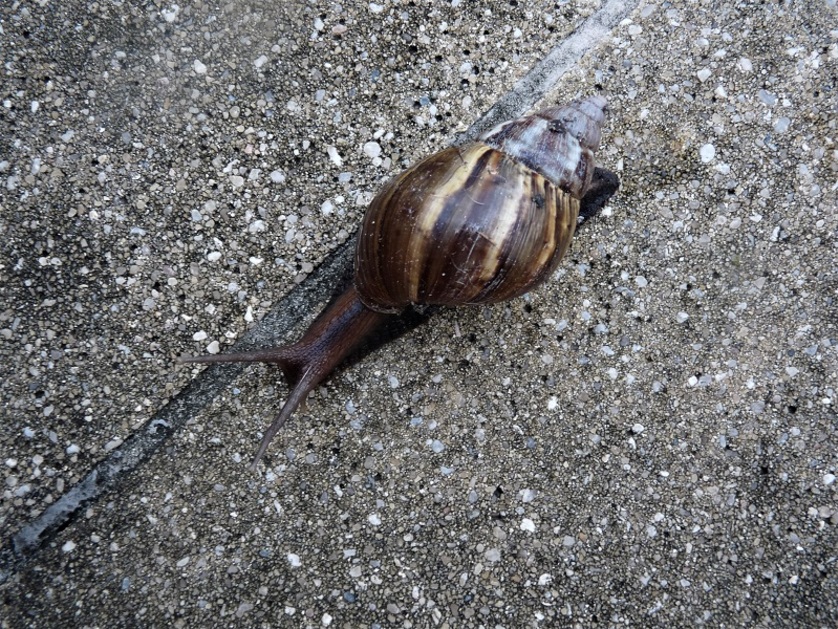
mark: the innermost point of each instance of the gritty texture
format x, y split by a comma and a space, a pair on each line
649, 438
171, 172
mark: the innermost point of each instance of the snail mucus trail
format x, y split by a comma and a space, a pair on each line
473, 224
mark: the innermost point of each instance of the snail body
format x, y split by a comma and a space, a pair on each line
475, 224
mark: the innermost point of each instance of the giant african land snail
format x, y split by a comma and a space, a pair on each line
473, 224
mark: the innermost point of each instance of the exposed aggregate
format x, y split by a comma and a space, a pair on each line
650, 438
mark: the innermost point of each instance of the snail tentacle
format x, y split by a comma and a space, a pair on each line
341, 328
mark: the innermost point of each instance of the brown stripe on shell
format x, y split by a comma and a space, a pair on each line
391, 234
541, 236
442, 224
451, 243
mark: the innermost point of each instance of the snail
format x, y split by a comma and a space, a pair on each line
473, 224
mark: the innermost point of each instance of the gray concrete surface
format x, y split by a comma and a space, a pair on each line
649, 439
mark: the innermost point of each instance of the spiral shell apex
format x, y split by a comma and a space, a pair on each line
483, 222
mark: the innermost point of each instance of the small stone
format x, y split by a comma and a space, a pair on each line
767, 97
334, 156
243, 609
199, 67
170, 15
113, 444
294, 560
372, 149
782, 124
527, 495
707, 153
69, 546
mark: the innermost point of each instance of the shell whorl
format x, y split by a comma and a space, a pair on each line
558, 142
483, 222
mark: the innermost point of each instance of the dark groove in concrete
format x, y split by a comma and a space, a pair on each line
143, 444
290, 311
547, 72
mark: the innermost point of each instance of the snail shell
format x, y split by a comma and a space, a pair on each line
475, 224
484, 222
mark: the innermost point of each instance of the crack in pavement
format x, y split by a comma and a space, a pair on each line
293, 308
